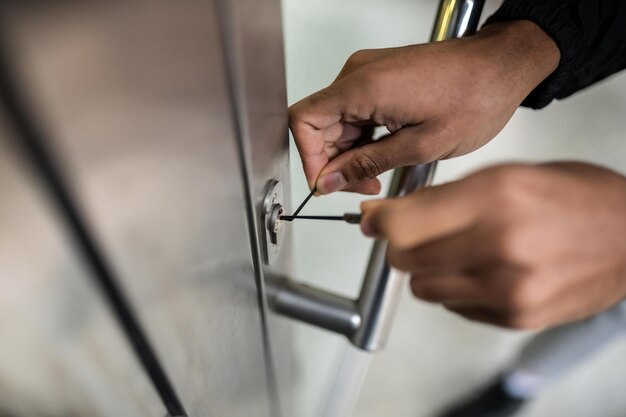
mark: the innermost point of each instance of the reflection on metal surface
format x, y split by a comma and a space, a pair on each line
314, 306
134, 97
33, 143
61, 352
378, 298
456, 18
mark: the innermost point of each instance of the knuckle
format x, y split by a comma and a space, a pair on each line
512, 321
358, 57
520, 322
303, 112
396, 259
507, 245
423, 152
511, 184
294, 114
305, 105
434, 142
371, 80
505, 174
515, 246
424, 292
367, 165
522, 296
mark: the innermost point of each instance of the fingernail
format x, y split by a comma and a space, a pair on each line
332, 182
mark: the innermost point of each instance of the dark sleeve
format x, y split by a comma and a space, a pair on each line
591, 35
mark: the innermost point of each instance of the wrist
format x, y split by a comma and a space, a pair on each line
520, 52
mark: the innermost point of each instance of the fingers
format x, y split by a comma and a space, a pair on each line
428, 214
319, 126
327, 125
453, 252
447, 270
406, 146
481, 315
451, 289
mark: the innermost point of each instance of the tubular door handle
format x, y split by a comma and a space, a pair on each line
366, 321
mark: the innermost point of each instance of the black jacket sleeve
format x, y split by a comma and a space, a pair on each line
591, 35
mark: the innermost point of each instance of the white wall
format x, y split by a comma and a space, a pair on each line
432, 357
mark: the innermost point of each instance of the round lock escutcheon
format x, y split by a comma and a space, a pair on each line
272, 209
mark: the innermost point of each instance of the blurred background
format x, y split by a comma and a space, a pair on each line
433, 357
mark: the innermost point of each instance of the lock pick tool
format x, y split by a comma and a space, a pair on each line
352, 218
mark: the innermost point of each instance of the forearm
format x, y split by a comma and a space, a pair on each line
591, 35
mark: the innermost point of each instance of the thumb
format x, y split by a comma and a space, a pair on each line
427, 214
402, 148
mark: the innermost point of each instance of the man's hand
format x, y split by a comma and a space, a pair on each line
438, 100
519, 246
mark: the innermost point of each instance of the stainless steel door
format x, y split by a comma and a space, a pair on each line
61, 352
167, 118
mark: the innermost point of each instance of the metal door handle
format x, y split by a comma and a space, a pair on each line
366, 321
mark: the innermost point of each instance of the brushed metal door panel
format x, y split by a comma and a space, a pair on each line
61, 352
253, 35
135, 97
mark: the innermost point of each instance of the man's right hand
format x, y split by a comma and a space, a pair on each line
438, 100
